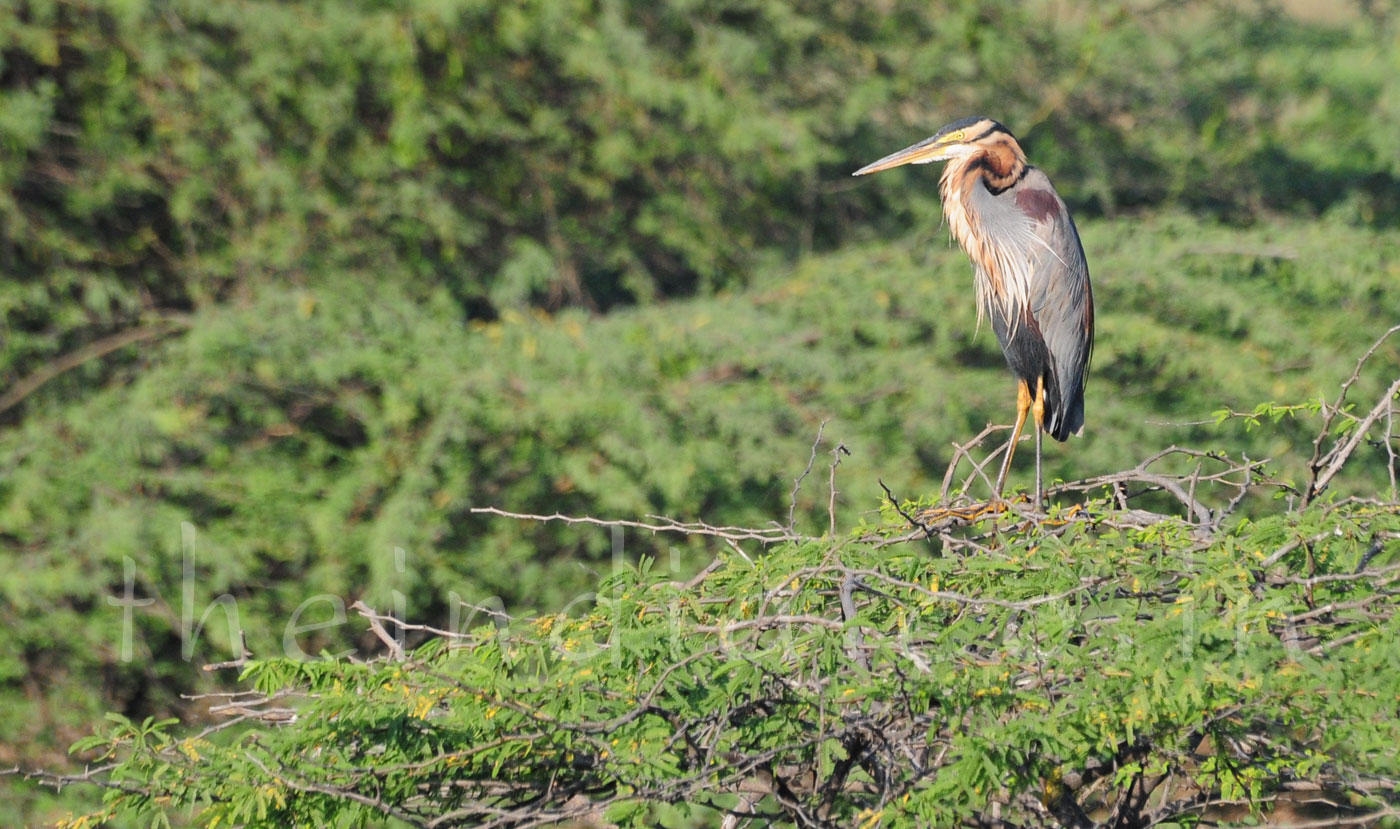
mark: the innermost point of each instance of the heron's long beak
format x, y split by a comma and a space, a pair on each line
928, 150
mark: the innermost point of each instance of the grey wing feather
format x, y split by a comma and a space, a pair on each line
1062, 304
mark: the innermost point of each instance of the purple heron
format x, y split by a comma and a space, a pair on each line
1028, 266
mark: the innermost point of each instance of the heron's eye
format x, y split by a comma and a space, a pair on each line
954, 136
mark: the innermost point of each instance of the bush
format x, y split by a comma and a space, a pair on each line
947, 663
306, 435
160, 156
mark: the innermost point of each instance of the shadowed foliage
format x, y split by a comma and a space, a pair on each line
161, 156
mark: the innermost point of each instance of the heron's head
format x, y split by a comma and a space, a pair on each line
965, 137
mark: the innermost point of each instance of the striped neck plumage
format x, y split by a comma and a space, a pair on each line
1002, 270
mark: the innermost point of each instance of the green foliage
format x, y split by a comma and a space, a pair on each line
160, 156
1084, 648
296, 458
1273, 411
305, 434
317, 278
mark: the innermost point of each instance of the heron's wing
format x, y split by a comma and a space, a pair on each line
1062, 302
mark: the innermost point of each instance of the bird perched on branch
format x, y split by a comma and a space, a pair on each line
1031, 277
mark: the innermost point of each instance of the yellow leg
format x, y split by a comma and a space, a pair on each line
1023, 406
1038, 409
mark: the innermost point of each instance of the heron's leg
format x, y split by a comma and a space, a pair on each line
1038, 409
1023, 405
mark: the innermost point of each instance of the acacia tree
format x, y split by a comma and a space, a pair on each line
1146, 656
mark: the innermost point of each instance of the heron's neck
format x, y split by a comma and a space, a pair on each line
997, 168
955, 186
1001, 164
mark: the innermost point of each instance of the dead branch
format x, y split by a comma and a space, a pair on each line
831, 502
396, 653
1327, 467
665, 525
1336, 457
92, 351
797, 484
243, 655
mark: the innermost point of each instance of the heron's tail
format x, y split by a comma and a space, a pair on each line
1064, 414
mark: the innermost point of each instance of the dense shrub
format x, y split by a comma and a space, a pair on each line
162, 154
305, 435
1107, 665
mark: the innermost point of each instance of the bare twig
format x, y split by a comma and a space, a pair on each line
797, 483
664, 525
962, 450
1388, 440
396, 653
1320, 462
831, 502
1325, 469
92, 775
243, 657
903, 513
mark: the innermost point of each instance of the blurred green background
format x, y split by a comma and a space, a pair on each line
316, 278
